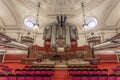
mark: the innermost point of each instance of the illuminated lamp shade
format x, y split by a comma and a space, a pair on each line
91, 22
29, 22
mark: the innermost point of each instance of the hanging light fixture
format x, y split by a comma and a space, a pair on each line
36, 25
32, 22
90, 22
84, 21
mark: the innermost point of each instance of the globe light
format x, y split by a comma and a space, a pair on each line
91, 22
29, 22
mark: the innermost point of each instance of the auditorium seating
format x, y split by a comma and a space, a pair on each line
25, 77
30, 73
96, 77
103, 77
90, 73
47, 73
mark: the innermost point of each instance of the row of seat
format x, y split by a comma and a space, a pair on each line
39, 66
25, 77
96, 77
89, 66
35, 71
87, 71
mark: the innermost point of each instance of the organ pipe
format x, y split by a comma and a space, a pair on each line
47, 33
68, 40
53, 36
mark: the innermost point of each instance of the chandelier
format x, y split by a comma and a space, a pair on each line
90, 22
32, 22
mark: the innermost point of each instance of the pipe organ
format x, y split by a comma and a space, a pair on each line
60, 36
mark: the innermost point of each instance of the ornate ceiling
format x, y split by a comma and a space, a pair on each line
55, 7
13, 13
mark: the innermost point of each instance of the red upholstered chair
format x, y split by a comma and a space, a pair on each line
47, 77
97, 71
71, 72
18, 71
85, 71
38, 77
3, 77
29, 77
91, 71
104, 71
118, 77
76, 77
44, 71
37, 71
94, 77
6, 70
20, 77
25, 71
12, 77
84, 77
50, 72
103, 77
112, 77
30, 71
79, 71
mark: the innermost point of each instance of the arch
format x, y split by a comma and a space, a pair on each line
11, 7
112, 4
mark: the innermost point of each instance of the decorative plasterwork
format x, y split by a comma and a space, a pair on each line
9, 4
55, 7
110, 7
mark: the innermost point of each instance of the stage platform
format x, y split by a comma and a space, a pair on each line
78, 63
62, 64
44, 63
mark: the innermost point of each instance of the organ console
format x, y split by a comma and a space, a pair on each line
56, 57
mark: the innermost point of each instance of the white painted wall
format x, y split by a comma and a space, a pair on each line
107, 34
82, 40
13, 35
39, 40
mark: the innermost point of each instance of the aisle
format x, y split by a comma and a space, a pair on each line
61, 75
